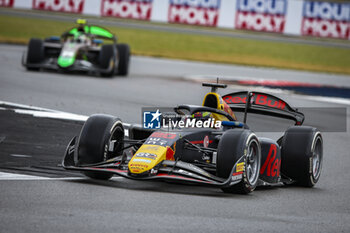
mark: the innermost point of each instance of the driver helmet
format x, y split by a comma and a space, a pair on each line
214, 100
81, 25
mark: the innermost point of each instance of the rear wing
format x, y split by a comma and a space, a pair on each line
97, 31
262, 103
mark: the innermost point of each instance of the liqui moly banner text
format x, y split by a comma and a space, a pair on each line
261, 15
197, 12
70, 6
291, 17
132, 9
6, 3
326, 19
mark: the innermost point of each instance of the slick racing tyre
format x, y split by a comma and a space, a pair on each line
124, 56
35, 53
302, 155
233, 145
101, 138
106, 59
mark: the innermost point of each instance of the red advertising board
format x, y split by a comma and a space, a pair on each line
326, 19
197, 12
6, 3
261, 15
70, 6
132, 9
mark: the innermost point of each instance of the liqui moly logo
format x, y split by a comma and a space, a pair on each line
6, 3
261, 15
197, 12
326, 19
132, 9
71, 6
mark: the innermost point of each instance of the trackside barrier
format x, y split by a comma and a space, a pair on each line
290, 17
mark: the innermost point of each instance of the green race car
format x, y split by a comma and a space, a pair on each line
85, 48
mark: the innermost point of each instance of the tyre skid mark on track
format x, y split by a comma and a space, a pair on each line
2, 138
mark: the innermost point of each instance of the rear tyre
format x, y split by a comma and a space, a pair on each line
107, 59
302, 155
35, 53
124, 57
232, 146
101, 138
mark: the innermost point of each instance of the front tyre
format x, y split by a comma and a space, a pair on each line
302, 155
35, 53
101, 138
232, 146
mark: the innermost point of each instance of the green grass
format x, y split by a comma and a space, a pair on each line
195, 47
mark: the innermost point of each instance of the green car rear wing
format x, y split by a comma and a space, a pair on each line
97, 31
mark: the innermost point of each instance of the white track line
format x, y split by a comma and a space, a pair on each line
55, 115
43, 112
21, 156
27, 106
46, 112
14, 176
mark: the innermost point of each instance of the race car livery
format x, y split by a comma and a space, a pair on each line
80, 49
226, 154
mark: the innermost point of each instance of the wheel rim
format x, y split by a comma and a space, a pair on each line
253, 161
317, 158
117, 135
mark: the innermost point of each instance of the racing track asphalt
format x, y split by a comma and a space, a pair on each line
120, 205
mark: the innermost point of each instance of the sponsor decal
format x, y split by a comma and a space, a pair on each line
200, 142
197, 12
151, 148
146, 155
138, 166
163, 135
257, 99
261, 15
271, 164
71, 6
142, 160
326, 19
135, 169
156, 141
240, 167
6, 3
236, 177
263, 100
132, 9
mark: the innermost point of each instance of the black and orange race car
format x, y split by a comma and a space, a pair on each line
203, 145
